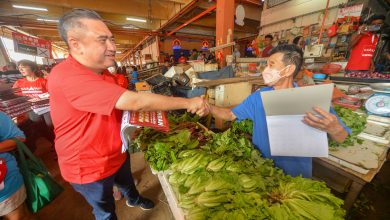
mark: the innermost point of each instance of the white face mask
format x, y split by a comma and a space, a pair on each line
111, 69
272, 76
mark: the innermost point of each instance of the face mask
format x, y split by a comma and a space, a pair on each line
272, 76
111, 69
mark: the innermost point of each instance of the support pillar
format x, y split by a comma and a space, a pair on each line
224, 27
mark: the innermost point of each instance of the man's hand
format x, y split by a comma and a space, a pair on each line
199, 106
325, 122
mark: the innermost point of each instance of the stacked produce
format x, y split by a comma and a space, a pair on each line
222, 176
352, 120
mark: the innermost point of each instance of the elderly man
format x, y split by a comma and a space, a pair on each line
86, 108
283, 64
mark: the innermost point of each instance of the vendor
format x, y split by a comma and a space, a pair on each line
363, 45
267, 46
31, 85
283, 64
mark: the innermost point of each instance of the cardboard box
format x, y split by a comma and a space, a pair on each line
232, 94
142, 86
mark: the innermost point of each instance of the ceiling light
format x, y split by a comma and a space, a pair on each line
47, 20
29, 8
118, 52
130, 27
136, 19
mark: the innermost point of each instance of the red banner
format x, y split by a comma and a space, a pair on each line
31, 45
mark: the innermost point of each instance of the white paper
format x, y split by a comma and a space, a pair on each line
285, 109
289, 136
127, 130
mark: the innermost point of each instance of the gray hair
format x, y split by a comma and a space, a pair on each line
292, 54
71, 20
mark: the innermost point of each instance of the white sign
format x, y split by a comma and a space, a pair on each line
354, 11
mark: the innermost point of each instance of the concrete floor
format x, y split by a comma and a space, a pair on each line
70, 205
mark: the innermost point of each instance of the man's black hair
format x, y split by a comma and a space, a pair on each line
269, 36
292, 54
375, 17
296, 40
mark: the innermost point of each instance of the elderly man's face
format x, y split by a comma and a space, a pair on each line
95, 44
275, 61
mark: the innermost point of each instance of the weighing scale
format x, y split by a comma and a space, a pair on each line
379, 102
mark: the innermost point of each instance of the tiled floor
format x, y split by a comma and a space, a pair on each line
71, 206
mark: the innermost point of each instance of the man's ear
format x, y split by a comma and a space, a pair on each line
74, 44
289, 71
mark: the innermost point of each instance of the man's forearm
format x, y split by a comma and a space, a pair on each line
355, 39
132, 101
222, 113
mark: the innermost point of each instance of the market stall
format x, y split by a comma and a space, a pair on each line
220, 175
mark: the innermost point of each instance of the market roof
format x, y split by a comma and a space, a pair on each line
129, 20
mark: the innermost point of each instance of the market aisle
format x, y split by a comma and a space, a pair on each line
71, 205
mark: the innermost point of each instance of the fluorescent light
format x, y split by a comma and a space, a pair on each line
130, 27
48, 20
136, 19
29, 8
118, 52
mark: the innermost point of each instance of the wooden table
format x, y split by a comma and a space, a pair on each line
343, 179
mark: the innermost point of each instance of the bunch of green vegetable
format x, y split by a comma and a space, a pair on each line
222, 176
352, 120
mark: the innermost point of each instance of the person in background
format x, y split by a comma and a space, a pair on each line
11, 75
32, 86
86, 109
363, 45
172, 61
299, 41
194, 54
12, 190
119, 74
283, 64
249, 50
134, 75
201, 57
267, 46
182, 58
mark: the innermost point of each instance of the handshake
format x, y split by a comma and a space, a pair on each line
199, 106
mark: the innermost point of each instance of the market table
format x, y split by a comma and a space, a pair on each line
343, 179
349, 169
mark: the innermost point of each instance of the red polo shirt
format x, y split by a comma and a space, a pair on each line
86, 123
31, 88
362, 52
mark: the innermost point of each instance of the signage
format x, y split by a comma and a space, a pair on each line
176, 44
352, 11
205, 45
31, 45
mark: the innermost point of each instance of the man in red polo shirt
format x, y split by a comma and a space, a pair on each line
267, 46
363, 46
86, 108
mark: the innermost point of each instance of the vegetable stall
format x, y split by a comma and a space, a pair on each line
208, 175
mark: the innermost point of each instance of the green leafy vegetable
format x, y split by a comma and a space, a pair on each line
352, 120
